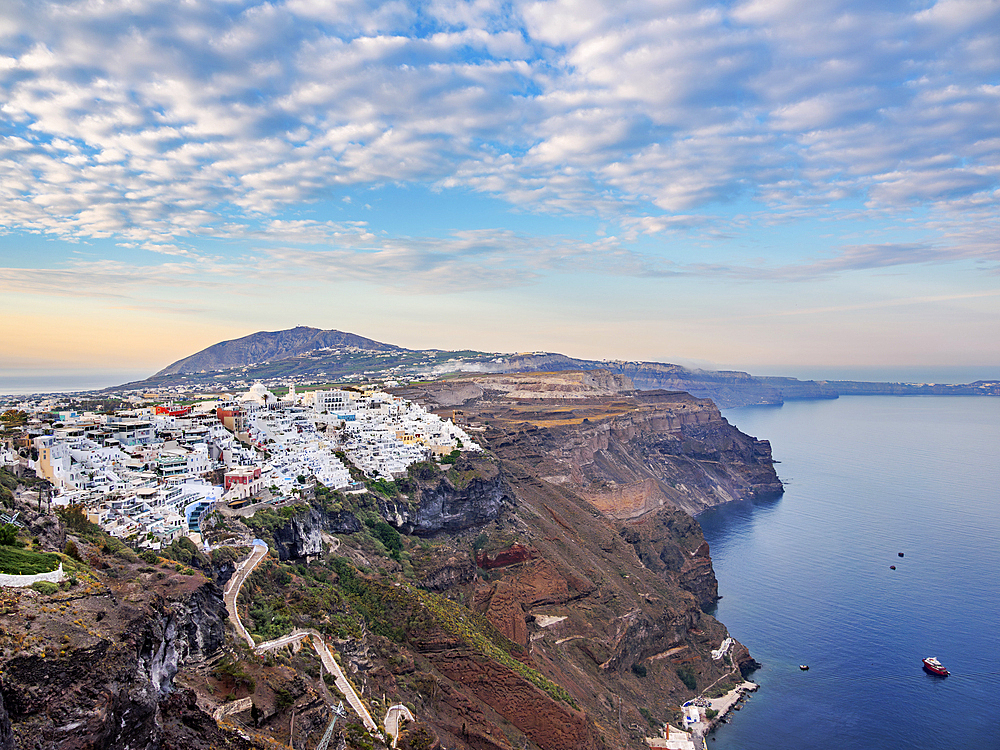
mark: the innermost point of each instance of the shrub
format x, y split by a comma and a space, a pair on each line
45, 587
639, 669
389, 537
385, 487
71, 550
127, 555
233, 672
358, 737
224, 555
423, 470
149, 556
688, 677
283, 699
8, 534
75, 517
711, 713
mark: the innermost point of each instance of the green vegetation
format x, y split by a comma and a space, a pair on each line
45, 587
385, 487
330, 500
359, 738
639, 669
75, 518
480, 541
21, 562
266, 520
423, 470
149, 556
688, 677
462, 478
234, 673
14, 418
8, 535
283, 699
389, 537
269, 622
711, 713
479, 633
451, 457
368, 599
8, 483
182, 550
648, 716
224, 555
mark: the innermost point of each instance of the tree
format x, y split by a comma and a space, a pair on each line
14, 418
8, 535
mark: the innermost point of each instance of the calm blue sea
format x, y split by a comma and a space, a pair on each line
805, 579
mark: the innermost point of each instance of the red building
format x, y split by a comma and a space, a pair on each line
232, 418
244, 475
173, 411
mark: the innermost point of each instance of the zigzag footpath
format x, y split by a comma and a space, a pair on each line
341, 681
232, 592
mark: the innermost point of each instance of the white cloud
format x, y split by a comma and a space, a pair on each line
156, 122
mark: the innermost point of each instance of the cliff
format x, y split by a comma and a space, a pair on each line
547, 593
470, 494
311, 352
628, 452
93, 665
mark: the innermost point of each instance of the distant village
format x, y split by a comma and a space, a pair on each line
149, 473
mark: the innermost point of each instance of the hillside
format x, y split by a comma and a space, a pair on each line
265, 346
547, 594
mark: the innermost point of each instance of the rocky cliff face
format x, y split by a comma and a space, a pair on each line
306, 532
91, 668
549, 593
628, 452
468, 495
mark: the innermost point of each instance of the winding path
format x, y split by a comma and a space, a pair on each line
343, 684
232, 592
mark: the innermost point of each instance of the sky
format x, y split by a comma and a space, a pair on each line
776, 186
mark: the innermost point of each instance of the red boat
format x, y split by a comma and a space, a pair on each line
933, 666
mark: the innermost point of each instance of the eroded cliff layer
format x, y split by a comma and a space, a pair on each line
627, 451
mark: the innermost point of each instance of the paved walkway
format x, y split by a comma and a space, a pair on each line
340, 679
393, 718
232, 592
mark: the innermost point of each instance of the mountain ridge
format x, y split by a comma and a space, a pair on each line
304, 354
264, 346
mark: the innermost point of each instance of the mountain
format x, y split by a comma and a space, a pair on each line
309, 355
265, 346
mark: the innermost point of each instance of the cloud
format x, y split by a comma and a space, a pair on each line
850, 258
155, 122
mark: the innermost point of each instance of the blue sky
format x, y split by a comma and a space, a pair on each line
768, 185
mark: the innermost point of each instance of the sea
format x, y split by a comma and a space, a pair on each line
806, 579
